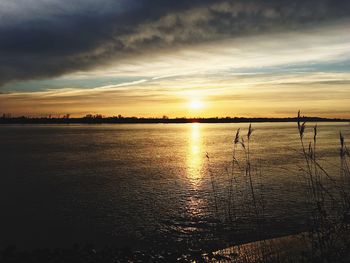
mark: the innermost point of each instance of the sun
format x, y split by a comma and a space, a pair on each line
195, 104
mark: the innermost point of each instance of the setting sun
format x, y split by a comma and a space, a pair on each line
195, 105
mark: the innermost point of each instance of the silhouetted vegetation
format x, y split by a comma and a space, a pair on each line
99, 119
327, 197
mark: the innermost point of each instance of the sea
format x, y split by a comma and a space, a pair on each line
156, 185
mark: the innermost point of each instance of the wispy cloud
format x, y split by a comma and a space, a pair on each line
244, 95
41, 39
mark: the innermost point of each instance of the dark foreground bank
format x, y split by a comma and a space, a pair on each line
89, 253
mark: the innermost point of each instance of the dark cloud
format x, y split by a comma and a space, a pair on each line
40, 38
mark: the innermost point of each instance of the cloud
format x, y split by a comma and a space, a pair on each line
224, 95
48, 38
305, 50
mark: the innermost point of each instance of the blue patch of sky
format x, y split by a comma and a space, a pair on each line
59, 83
339, 66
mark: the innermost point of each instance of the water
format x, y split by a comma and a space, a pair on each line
143, 185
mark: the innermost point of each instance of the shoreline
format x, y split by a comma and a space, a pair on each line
282, 247
135, 120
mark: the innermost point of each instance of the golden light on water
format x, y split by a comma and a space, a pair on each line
195, 159
195, 154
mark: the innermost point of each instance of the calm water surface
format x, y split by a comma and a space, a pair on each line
143, 184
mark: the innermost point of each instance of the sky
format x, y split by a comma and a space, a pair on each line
150, 58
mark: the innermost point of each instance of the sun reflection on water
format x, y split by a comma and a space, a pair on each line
195, 159
195, 155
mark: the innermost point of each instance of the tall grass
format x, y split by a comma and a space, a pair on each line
329, 200
238, 200
327, 197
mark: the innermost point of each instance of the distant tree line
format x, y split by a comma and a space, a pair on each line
99, 118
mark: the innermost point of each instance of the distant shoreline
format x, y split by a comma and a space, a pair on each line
135, 120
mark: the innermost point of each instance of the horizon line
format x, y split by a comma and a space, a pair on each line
98, 118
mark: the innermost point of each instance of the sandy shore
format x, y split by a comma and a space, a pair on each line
285, 249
